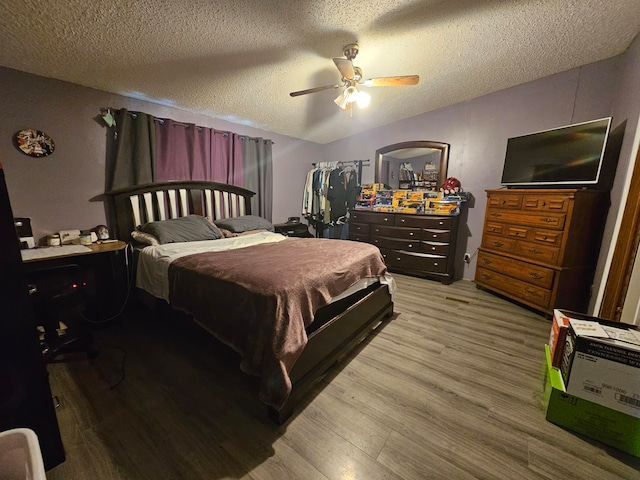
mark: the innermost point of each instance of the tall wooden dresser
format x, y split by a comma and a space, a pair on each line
540, 247
422, 245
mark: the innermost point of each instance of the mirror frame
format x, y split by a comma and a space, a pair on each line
444, 156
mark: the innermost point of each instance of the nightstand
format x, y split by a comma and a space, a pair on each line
293, 229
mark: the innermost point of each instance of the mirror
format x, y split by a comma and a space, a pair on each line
416, 165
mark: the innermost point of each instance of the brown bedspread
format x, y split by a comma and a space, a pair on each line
259, 299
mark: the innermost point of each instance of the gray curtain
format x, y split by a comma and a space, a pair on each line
258, 174
131, 151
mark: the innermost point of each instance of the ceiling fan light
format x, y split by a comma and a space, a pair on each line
341, 101
363, 99
351, 94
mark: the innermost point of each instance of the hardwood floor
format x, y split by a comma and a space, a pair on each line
448, 389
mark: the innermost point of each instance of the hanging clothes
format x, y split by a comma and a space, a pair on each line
331, 189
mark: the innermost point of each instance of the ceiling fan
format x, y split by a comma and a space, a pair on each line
352, 79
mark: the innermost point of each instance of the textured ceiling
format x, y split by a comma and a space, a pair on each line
238, 60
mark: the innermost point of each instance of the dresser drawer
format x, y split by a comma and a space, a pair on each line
371, 217
505, 200
359, 228
546, 203
532, 234
541, 253
521, 218
358, 238
435, 248
416, 262
395, 244
502, 244
527, 272
395, 232
435, 235
514, 288
442, 223
495, 228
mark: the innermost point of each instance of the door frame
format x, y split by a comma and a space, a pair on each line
625, 252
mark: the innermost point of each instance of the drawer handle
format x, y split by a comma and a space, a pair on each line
498, 244
485, 276
411, 234
376, 241
502, 202
441, 223
548, 220
398, 258
435, 264
495, 215
410, 245
535, 251
536, 276
533, 293
402, 220
543, 203
386, 219
486, 261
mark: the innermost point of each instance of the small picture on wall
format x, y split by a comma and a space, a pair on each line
34, 143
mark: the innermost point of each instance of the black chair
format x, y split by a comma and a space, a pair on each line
59, 297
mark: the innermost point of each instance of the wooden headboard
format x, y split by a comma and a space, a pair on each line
161, 201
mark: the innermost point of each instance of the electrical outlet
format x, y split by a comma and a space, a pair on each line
467, 258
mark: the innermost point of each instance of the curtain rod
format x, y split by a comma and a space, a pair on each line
187, 125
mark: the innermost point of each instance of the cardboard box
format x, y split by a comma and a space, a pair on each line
601, 363
606, 425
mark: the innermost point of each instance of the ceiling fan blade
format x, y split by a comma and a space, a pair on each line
392, 81
313, 90
345, 66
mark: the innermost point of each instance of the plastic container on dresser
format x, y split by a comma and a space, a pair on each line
422, 245
540, 247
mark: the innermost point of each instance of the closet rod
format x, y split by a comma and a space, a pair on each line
348, 162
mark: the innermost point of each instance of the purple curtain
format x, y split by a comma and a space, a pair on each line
189, 152
226, 158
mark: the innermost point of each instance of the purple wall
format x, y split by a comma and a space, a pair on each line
55, 191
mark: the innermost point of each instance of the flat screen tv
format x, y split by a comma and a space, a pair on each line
570, 156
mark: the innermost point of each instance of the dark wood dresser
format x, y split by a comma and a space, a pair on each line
422, 245
540, 247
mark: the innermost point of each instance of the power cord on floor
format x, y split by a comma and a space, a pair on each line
122, 362
127, 251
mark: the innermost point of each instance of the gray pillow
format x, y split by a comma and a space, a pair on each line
191, 228
245, 223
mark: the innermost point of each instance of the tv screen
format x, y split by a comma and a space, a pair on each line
568, 156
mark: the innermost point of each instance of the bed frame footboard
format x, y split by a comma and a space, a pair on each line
337, 336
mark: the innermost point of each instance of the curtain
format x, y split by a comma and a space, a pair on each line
189, 152
182, 152
131, 150
226, 158
258, 174
144, 149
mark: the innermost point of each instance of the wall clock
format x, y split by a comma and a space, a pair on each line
34, 143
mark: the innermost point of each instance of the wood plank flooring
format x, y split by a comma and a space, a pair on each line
448, 389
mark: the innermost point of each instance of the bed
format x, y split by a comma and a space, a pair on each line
291, 307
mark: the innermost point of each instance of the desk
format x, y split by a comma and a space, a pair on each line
103, 266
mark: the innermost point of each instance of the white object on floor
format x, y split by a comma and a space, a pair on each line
20, 456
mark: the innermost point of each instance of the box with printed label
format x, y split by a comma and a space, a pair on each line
601, 363
601, 423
